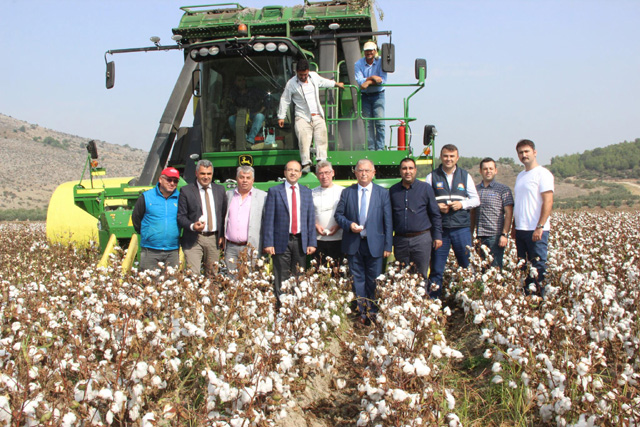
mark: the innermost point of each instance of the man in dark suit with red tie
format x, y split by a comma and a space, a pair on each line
201, 209
289, 226
364, 214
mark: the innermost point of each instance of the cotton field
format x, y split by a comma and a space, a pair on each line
87, 346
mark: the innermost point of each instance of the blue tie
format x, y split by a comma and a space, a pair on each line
363, 207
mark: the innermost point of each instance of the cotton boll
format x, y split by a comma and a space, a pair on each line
105, 394
141, 370
451, 401
5, 410
175, 364
119, 399
363, 419
69, 420
583, 369
436, 351
422, 370
335, 319
453, 419
408, 368
399, 395
149, 420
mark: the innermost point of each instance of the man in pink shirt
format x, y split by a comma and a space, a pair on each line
243, 221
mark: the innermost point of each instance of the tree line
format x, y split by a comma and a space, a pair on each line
620, 160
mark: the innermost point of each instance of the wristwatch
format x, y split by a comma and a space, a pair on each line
505, 235
539, 226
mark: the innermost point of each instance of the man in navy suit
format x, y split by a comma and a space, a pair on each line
364, 214
289, 226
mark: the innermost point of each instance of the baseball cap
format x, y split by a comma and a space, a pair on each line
171, 173
370, 46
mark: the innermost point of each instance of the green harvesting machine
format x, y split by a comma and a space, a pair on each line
220, 42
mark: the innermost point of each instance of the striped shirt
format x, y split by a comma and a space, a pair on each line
490, 213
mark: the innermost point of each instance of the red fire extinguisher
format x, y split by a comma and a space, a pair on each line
401, 141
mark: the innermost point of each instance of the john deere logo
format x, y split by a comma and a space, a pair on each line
245, 160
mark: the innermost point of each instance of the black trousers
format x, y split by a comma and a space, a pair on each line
286, 264
329, 248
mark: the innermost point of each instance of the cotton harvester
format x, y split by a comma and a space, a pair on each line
218, 43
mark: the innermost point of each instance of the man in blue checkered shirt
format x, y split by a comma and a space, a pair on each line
492, 219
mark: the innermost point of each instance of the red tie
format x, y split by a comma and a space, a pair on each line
294, 211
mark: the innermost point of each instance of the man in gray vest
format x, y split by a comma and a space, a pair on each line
456, 195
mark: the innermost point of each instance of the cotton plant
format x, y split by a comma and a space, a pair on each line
577, 349
402, 356
110, 349
81, 345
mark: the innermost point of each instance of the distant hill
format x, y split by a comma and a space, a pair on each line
34, 160
617, 161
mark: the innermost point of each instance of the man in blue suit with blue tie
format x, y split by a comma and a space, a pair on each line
364, 214
288, 226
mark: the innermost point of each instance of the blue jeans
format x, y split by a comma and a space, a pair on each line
492, 242
459, 239
373, 106
534, 252
257, 119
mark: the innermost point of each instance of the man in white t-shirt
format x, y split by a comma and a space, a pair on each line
533, 202
325, 201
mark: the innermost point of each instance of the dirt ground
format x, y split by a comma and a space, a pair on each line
322, 404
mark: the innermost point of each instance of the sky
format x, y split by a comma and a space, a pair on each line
565, 74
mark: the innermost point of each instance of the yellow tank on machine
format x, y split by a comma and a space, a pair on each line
67, 222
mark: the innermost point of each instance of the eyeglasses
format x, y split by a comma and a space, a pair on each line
171, 180
364, 170
324, 173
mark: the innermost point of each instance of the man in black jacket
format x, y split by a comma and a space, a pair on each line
201, 209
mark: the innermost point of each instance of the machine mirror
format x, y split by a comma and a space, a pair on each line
430, 133
92, 149
195, 83
388, 57
421, 70
111, 74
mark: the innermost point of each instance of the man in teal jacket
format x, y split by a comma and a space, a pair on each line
154, 217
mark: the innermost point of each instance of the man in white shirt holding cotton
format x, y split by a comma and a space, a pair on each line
325, 201
533, 197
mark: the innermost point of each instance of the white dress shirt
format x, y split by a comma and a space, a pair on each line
473, 200
208, 227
